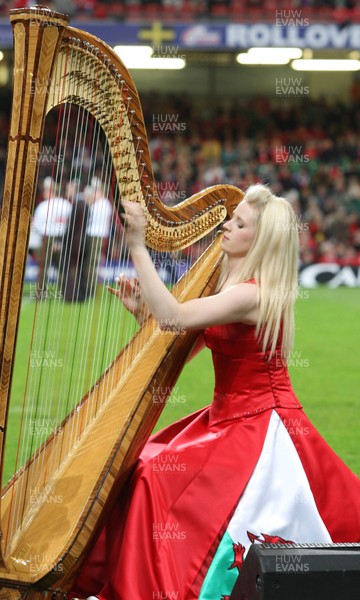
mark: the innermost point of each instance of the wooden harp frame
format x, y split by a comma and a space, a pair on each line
41, 39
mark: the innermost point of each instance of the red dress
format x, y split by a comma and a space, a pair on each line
249, 467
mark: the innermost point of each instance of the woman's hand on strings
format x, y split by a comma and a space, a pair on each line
135, 224
129, 292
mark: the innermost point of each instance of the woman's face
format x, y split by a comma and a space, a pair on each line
239, 232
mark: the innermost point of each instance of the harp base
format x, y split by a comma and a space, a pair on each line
7, 594
12, 594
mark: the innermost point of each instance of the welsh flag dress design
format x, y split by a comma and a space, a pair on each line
277, 506
248, 468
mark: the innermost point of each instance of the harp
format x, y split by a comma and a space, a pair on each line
92, 428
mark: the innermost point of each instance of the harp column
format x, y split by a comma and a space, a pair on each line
37, 35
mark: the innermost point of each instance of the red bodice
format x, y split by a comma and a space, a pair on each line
246, 381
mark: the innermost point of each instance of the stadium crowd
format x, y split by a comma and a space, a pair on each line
307, 151
335, 10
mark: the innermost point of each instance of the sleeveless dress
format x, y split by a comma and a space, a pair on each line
248, 468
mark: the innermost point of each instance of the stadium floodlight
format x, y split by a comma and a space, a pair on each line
326, 64
246, 59
160, 63
140, 57
268, 56
128, 52
276, 52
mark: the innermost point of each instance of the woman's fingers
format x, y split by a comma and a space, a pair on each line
127, 287
112, 290
130, 284
121, 282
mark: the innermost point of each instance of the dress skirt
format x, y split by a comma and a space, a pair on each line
249, 468
204, 491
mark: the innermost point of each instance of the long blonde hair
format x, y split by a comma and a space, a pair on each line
272, 261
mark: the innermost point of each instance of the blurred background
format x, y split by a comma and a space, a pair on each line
241, 92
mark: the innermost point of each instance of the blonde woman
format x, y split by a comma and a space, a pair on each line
250, 467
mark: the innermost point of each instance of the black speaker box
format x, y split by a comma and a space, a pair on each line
299, 572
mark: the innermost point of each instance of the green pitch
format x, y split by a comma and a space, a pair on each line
324, 365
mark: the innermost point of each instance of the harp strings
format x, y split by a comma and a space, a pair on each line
42, 383
80, 336
40, 380
46, 320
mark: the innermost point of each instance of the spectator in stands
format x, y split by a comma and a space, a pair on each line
52, 214
76, 257
48, 227
98, 227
